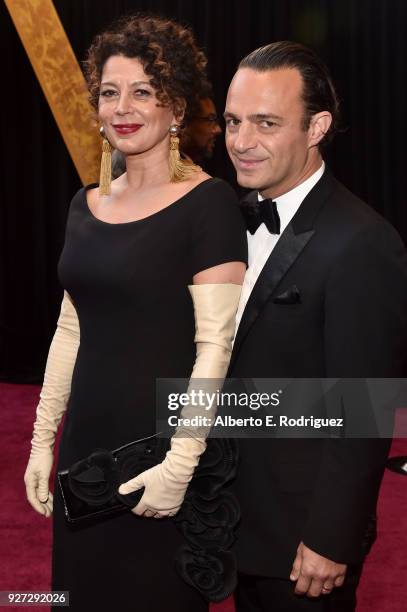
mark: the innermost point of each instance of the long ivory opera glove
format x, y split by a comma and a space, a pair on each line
54, 397
215, 307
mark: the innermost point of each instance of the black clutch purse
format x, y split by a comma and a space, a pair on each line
89, 488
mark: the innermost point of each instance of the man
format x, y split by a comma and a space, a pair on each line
201, 131
325, 295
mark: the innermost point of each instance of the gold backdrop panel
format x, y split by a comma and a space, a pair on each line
61, 79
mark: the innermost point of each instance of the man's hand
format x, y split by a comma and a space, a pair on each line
314, 574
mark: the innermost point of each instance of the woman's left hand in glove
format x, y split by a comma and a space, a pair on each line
165, 484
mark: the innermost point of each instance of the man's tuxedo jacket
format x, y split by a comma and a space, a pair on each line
330, 302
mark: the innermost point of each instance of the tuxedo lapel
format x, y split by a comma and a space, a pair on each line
286, 251
289, 247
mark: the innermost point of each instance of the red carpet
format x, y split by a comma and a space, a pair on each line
26, 537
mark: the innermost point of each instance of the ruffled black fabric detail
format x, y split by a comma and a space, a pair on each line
213, 574
208, 519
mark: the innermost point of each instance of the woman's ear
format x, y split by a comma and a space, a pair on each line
179, 110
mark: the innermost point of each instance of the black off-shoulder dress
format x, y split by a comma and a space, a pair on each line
129, 282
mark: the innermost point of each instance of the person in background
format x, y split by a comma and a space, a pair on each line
201, 130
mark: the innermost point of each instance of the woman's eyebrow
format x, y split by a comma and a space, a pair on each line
132, 84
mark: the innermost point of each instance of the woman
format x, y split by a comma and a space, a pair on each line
165, 232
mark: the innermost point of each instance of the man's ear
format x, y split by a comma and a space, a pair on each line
318, 127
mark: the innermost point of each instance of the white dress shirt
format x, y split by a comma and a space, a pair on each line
261, 243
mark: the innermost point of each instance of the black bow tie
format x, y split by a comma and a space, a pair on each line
261, 212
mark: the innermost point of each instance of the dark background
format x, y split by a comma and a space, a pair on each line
364, 42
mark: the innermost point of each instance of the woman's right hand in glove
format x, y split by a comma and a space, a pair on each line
36, 479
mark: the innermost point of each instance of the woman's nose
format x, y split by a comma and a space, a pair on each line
123, 104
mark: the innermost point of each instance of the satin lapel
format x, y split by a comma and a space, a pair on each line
286, 251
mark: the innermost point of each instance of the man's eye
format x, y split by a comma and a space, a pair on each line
232, 122
267, 124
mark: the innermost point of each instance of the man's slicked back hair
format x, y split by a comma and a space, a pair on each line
318, 92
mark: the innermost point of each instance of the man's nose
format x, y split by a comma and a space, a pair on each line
245, 138
216, 129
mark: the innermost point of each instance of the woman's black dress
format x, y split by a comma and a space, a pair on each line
129, 282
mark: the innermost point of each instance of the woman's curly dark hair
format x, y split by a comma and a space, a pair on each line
169, 55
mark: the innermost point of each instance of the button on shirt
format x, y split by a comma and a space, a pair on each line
262, 243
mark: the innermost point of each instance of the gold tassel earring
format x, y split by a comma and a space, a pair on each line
105, 166
180, 169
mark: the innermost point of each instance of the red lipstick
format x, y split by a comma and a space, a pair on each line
126, 128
